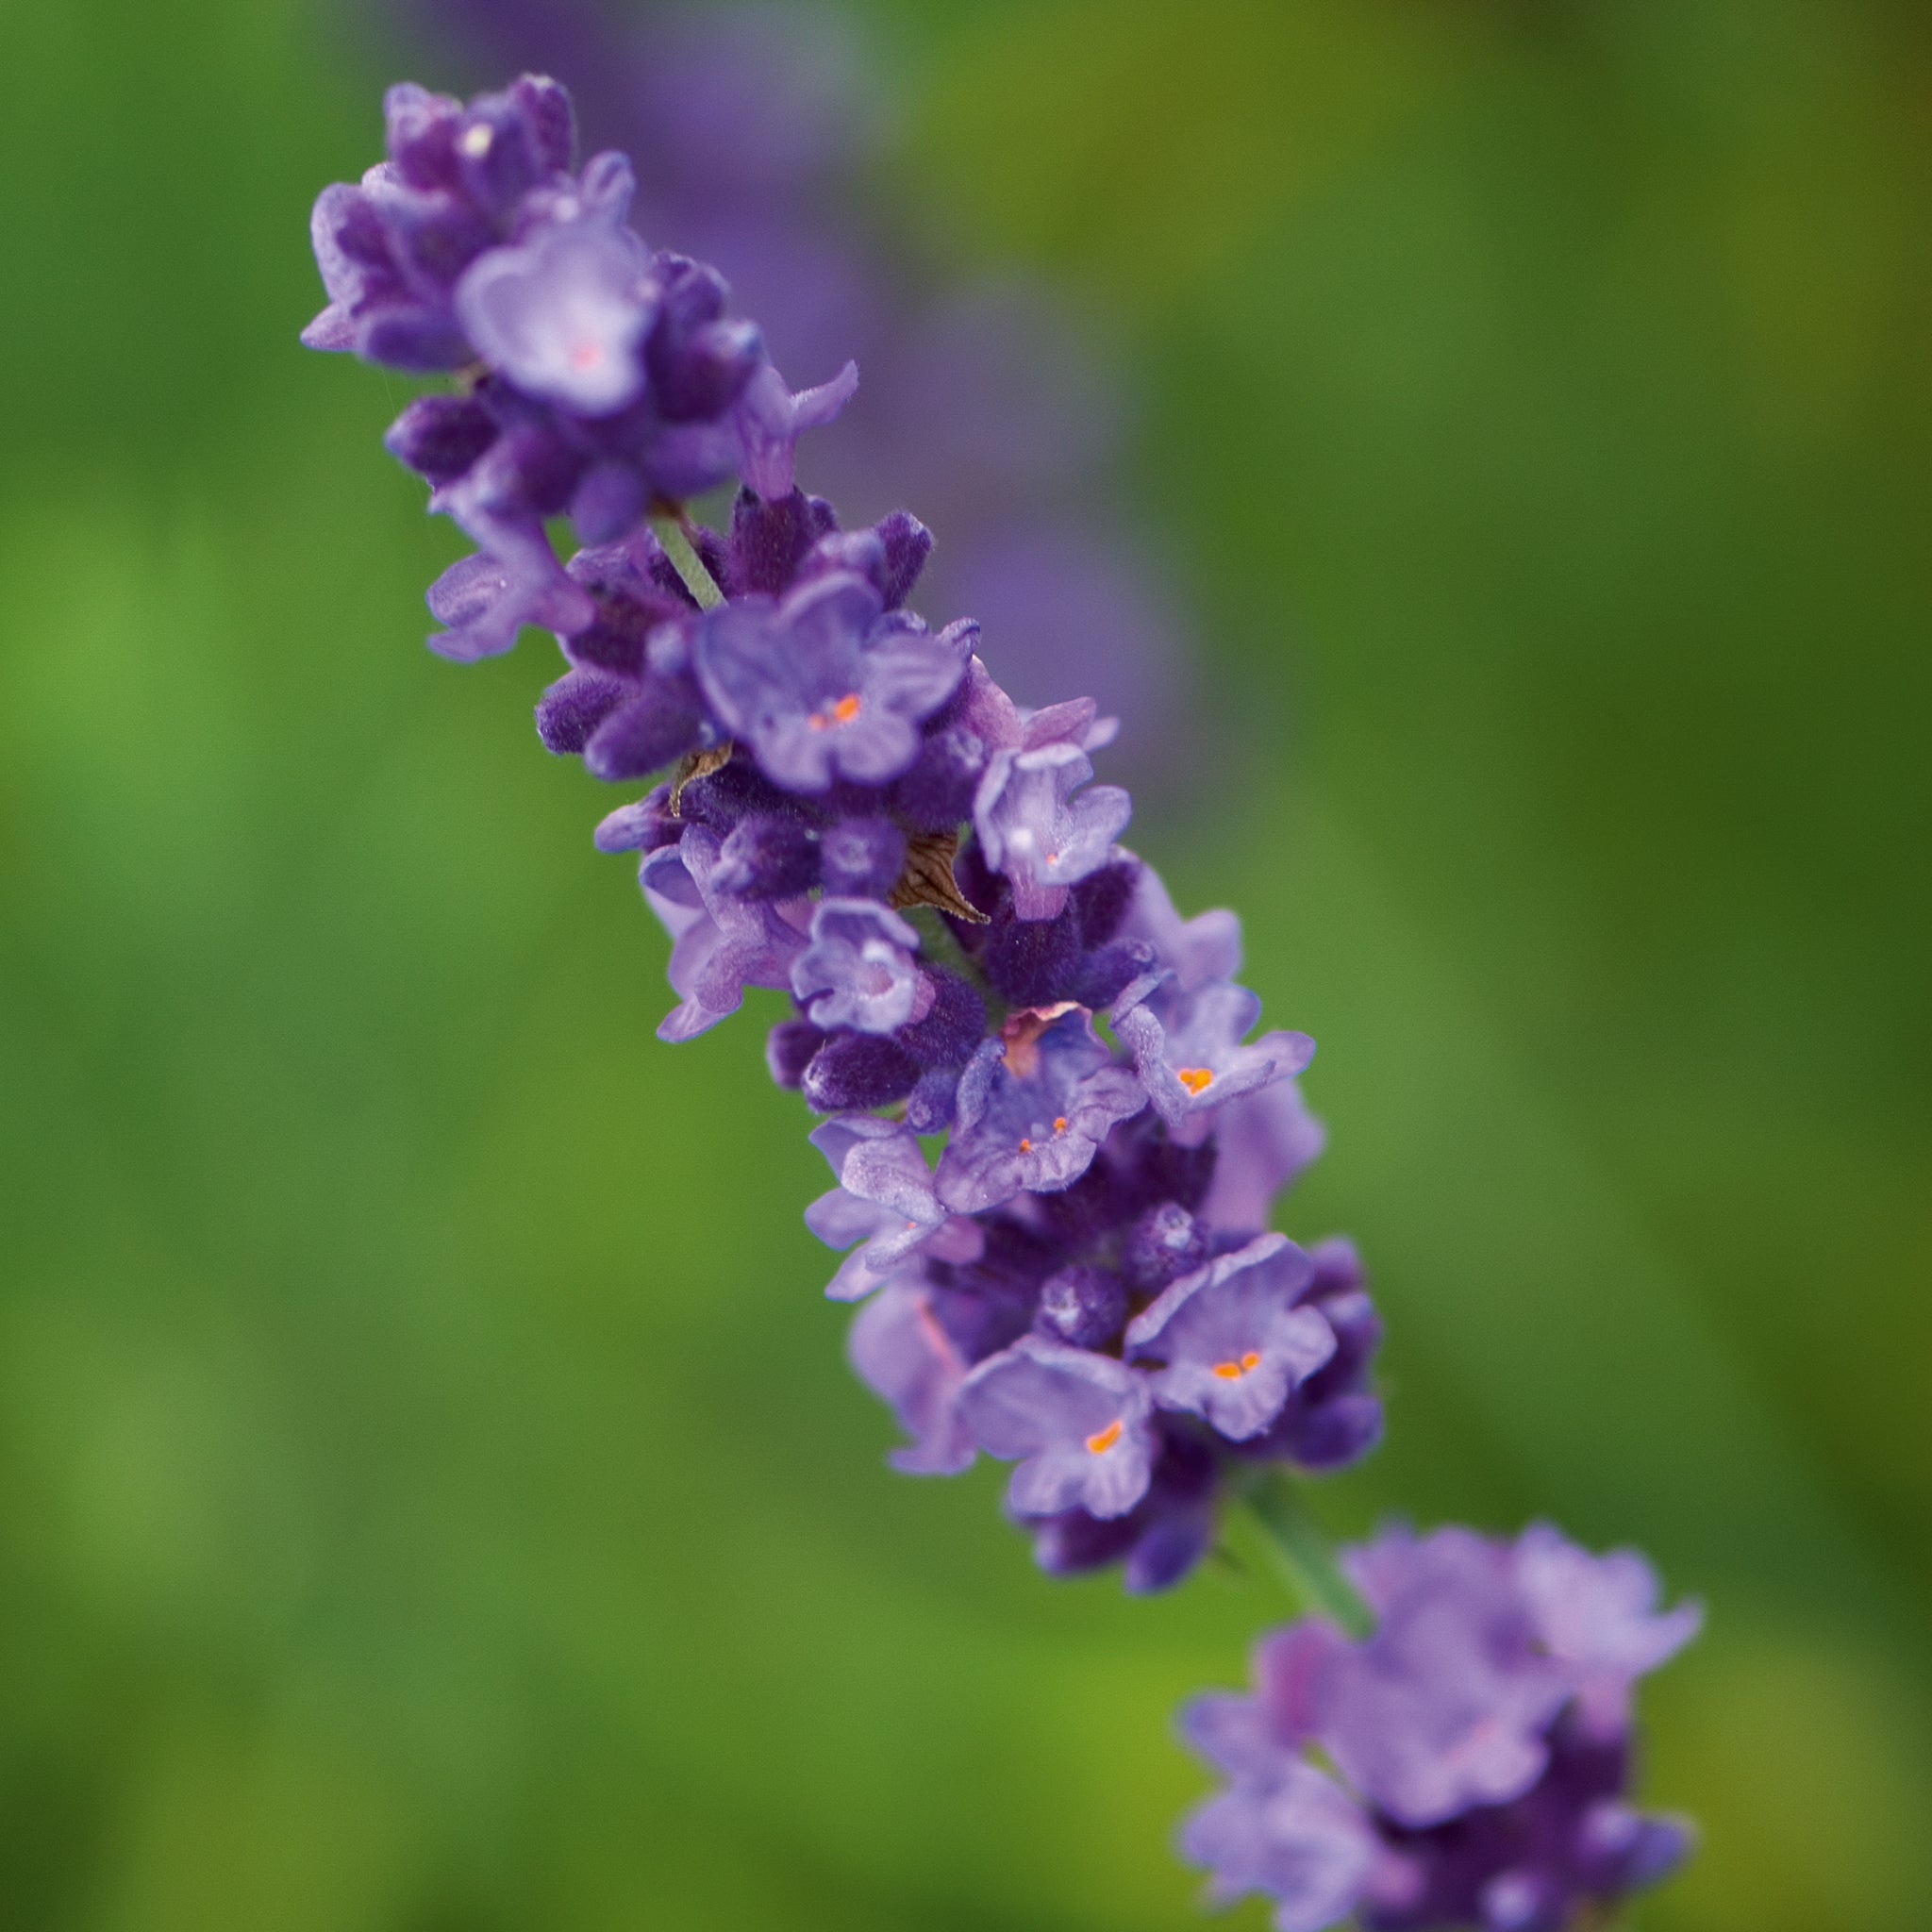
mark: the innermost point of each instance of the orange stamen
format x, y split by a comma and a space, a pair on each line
1026, 1146
1059, 1123
1233, 1372
842, 711
1104, 1439
1195, 1079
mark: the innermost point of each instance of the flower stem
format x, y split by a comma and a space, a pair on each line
675, 538
1302, 1550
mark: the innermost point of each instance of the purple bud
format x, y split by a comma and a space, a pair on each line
574, 707
905, 544
643, 827
863, 857
546, 111
953, 1026
1161, 1246
858, 1070
1031, 962
768, 542
789, 1050
440, 437
661, 720
1083, 1306
934, 1103
768, 856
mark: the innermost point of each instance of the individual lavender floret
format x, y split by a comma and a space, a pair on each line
1478, 1785
1188, 1050
1208, 946
899, 1350
1285, 1831
859, 969
771, 418
1599, 1614
1229, 1343
1080, 1422
1040, 829
564, 318
1160, 1539
1035, 1103
885, 1201
826, 683
721, 944
1333, 1417
1265, 1138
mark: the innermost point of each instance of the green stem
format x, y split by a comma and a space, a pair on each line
1302, 1548
675, 536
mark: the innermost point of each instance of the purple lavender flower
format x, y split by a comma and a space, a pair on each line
1078, 1423
771, 418
721, 944
1160, 1539
900, 1351
1034, 1104
1188, 1047
858, 970
826, 683
1082, 1286
1333, 1417
1040, 829
1599, 1615
565, 317
1230, 1341
885, 1201
1485, 1795
1208, 946
1293, 1834
1264, 1139
1447, 1707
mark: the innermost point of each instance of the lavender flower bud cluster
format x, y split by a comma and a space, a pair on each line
1476, 1748
853, 812
598, 377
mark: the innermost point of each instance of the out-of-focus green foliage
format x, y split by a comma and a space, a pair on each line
433, 1497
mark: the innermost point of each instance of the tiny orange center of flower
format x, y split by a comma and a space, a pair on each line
1103, 1440
586, 355
1059, 1123
1233, 1372
842, 711
1025, 1144
1195, 1079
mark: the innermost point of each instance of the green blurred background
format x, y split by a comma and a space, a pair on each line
434, 1499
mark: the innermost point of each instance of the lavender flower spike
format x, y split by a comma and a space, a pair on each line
1481, 1792
1081, 1284
1078, 1420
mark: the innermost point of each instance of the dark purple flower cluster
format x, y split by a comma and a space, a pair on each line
1081, 1284
1474, 1750
600, 378
1055, 1132
757, 136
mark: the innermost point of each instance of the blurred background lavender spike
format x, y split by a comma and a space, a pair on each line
985, 406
